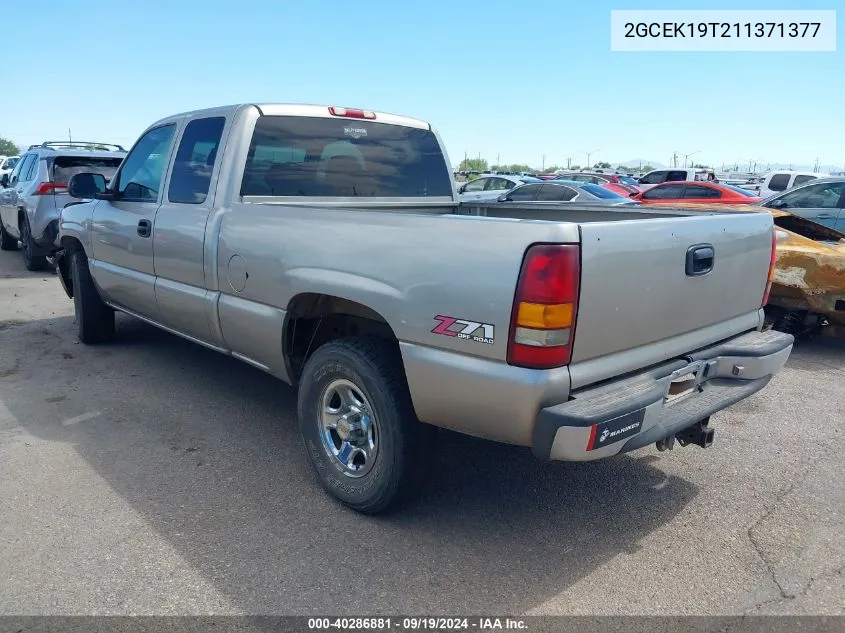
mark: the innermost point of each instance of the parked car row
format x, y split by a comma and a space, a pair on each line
821, 200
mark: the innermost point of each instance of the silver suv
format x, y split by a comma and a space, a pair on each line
31, 205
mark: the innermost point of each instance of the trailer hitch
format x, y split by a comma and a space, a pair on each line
699, 434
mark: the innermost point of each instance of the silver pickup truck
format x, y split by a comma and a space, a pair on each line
324, 245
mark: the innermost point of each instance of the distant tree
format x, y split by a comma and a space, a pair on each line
700, 166
8, 148
602, 165
473, 164
515, 168
648, 168
575, 167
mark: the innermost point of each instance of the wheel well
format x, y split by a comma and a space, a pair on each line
315, 319
69, 245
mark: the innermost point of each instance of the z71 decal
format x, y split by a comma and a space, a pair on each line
469, 330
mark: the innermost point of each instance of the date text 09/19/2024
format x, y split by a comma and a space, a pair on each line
416, 624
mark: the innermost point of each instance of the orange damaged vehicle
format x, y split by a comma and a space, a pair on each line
696, 192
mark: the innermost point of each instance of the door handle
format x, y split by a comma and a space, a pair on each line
700, 258
825, 216
145, 228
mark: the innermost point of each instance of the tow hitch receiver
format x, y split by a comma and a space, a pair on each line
699, 434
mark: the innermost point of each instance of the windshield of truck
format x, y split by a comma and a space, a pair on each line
66, 166
311, 156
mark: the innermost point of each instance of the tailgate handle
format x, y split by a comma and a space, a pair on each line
700, 259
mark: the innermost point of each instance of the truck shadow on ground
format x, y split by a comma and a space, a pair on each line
206, 450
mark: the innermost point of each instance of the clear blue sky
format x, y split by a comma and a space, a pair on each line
495, 79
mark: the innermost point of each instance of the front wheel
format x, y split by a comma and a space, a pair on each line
358, 424
94, 319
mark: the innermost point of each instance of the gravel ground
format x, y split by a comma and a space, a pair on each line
152, 476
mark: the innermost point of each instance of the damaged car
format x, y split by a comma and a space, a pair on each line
808, 290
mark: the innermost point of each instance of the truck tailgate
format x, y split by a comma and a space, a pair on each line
636, 287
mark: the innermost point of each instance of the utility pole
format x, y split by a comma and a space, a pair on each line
590, 153
69, 138
568, 162
686, 156
544, 163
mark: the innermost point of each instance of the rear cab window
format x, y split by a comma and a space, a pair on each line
339, 157
64, 167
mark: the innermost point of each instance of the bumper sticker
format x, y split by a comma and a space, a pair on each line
614, 430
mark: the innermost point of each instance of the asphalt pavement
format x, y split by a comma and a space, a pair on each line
152, 476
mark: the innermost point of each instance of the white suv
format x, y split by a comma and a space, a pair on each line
31, 205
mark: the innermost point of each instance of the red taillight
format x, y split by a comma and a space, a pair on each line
772, 260
51, 187
352, 113
545, 307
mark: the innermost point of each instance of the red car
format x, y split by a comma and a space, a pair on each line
698, 191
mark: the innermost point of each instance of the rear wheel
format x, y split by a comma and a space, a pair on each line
7, 242
94, 319
32, 262
358, 424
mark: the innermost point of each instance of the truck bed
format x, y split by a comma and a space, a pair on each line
570, 212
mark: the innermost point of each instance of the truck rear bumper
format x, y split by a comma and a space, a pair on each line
627, 413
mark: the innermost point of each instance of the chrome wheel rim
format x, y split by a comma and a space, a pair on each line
348, 429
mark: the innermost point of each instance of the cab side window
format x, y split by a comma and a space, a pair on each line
191, 175
140, 175
654, 178
779, 182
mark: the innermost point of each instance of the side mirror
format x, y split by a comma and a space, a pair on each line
13, 181
633, 193
462, 189
4, 180
505, 197
86, 185
778, 204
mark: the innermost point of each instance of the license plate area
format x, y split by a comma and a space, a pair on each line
683, 383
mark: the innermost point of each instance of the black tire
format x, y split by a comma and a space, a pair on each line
7, 242
32, 262
374, 366
94, 319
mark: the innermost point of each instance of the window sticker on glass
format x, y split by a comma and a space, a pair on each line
355, 132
